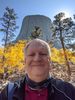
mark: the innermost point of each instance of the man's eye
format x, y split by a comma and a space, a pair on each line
43, 54
31, 54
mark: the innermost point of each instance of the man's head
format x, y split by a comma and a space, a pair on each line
37, 59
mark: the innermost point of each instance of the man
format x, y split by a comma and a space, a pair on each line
38, 85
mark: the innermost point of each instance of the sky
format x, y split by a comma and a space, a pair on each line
48, 8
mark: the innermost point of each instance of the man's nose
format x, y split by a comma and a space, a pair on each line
37, 57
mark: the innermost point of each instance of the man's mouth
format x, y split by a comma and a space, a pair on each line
37, 65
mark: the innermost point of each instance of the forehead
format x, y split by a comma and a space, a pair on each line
35, 45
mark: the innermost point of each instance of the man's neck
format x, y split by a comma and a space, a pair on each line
37, 85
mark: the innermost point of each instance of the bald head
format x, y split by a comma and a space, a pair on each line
37, 60
34, 42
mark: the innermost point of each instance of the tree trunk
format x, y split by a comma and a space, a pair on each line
66, 58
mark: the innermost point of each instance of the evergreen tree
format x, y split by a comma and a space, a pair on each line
71, 45
62, 31
36, 33
8, 25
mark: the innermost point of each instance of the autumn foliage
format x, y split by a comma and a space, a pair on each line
14, 56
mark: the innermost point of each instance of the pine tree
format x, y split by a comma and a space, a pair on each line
8, 24
36, 32
62, 31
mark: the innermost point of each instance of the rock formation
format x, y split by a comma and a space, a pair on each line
29, 23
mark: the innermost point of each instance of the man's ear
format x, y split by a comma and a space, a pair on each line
25, 60
49, 58
25, 63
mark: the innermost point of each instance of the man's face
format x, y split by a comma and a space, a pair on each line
37, 61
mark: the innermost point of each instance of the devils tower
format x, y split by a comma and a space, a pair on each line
28, 24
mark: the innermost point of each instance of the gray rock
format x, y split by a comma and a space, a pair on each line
41, 21
29, 23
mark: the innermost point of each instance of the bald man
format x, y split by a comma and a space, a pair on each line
38, 85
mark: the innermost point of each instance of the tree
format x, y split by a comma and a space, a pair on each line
72, 44
8, 27
62, 31
36, 33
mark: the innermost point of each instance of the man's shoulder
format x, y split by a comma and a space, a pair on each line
64, 87
61, 83
7, 92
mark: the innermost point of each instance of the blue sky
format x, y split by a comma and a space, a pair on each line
32, 7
